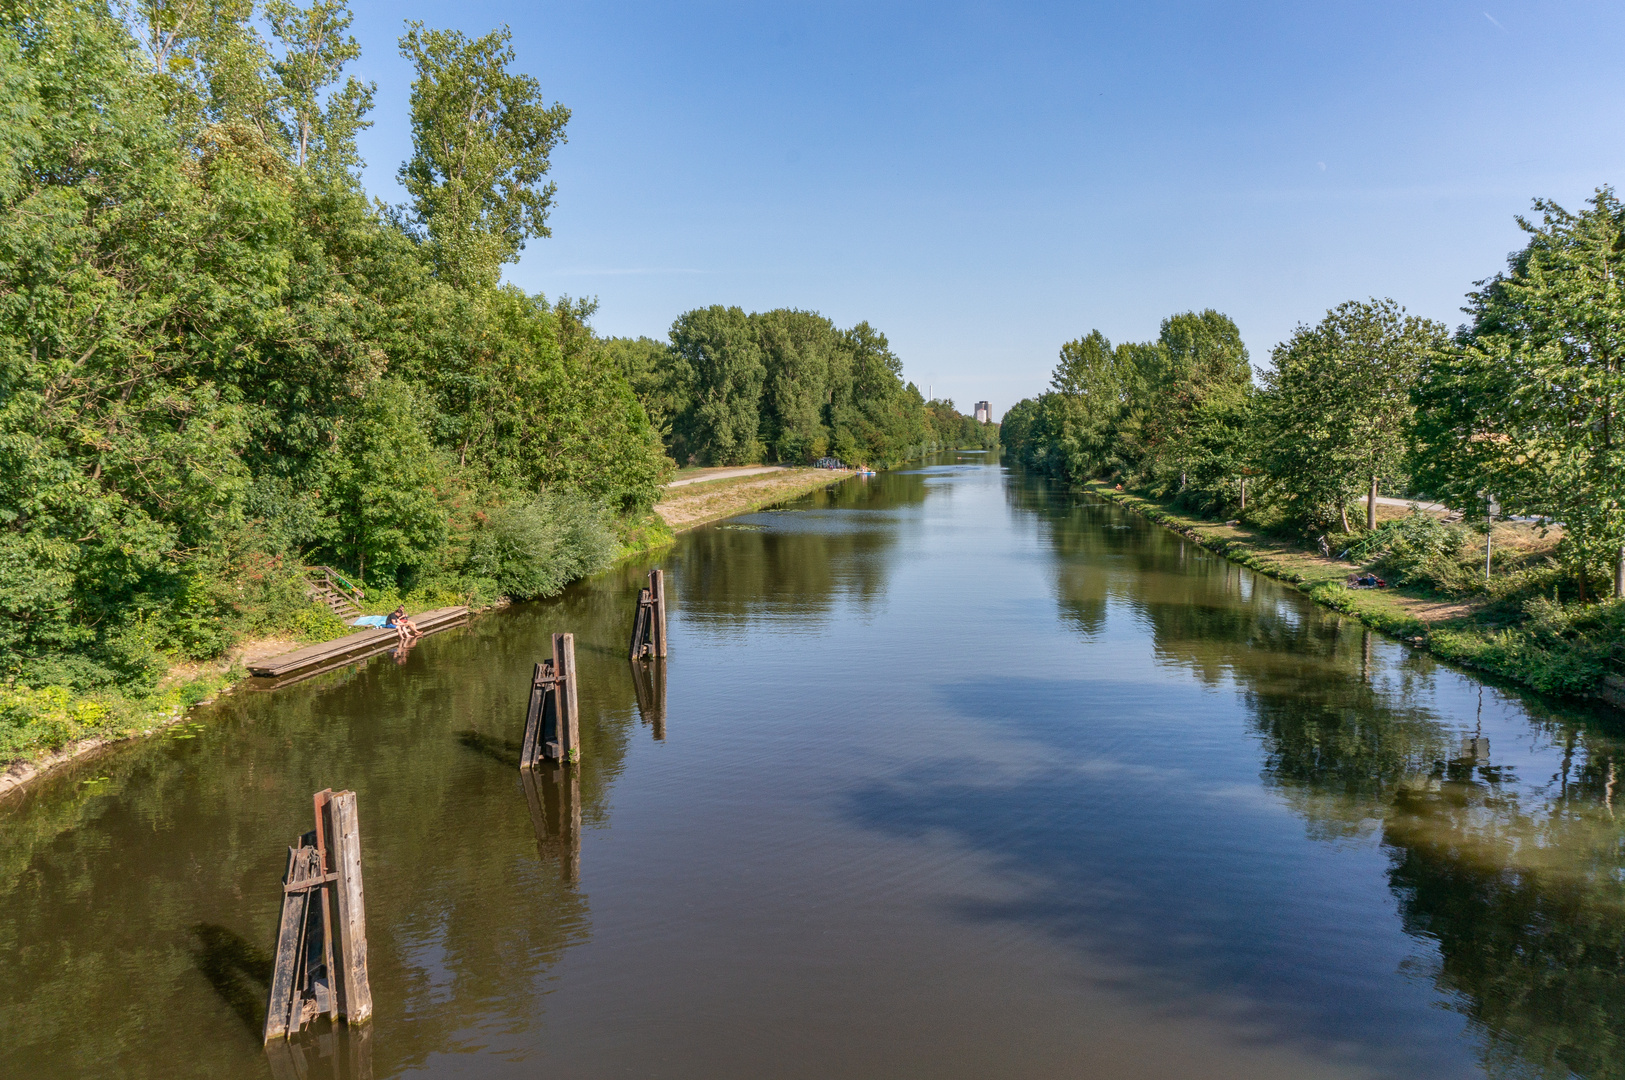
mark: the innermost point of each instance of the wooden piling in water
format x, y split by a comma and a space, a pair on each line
552, 720
569, 721
657, 587
649, 624
354, 989
320, 964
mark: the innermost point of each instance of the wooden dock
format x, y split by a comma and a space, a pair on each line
314, 659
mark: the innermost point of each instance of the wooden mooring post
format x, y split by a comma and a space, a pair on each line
552, 717
321, 952
649, 625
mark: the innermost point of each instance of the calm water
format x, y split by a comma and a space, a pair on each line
948, 775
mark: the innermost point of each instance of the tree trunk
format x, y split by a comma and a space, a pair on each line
1344, 511
1244, 493
1371, 505
1619, 574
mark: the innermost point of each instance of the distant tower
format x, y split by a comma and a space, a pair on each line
984, 413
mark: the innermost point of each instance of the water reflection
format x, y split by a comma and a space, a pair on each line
649, 682
337, 1053
553, 793
1513, 870
794, 564
995, 748
151, 875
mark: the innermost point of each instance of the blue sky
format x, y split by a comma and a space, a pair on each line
983, 182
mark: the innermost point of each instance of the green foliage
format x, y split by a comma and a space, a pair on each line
1171, 416
482, 139
536, 548
801, 356
1337, 405
48, 717
874, 417
721, 423
219, 361
1418, 549
662, 382
384, 486
784, 385
948, 428
1557, 648
1023, 435
316, 47
1525, 405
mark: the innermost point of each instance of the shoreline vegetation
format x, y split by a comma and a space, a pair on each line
1515, 421
223, 363
680, 509
1470, 632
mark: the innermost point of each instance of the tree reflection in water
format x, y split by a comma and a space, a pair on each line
1515, 874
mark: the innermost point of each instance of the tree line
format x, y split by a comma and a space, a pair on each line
1516, 412
220, 361
728, 388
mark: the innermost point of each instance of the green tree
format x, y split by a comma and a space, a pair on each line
1526, 406
316, 46
1198, 355
662, 381
875, 418
482, 138
1337, 406
385, 487
796, 355
1091, 388
721, 424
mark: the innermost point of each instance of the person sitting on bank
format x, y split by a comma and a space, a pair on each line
403, 626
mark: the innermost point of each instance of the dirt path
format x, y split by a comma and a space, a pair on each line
726, 474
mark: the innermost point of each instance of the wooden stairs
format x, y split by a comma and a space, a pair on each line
334, 591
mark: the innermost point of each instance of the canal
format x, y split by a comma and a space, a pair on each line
950, 774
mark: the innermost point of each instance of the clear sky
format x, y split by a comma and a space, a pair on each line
983, 182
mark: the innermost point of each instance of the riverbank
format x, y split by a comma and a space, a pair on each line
1547, 647
702, 501
53, 726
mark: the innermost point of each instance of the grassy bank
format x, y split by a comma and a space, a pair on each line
1509, 627
700, 503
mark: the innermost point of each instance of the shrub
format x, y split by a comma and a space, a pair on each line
1417, 549
48, 717
537, 548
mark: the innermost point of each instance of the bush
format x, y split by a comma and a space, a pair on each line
49, 717
1418, 549
1559, 648
537, 548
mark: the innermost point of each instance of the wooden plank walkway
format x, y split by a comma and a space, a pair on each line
352, 646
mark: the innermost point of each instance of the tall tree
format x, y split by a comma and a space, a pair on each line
1527, 406
322, 124
1089, 391
796, 349
1198, 355
1338, 405
722, 422
482, 139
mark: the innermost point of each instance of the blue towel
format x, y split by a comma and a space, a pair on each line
370, 620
